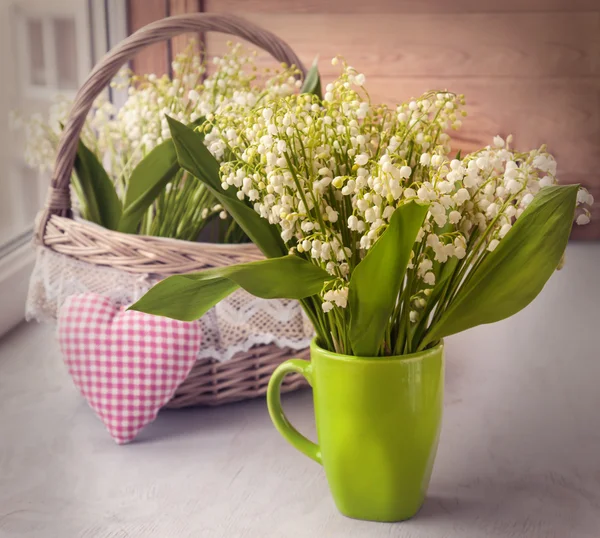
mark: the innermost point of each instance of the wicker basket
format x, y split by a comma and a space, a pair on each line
211, 382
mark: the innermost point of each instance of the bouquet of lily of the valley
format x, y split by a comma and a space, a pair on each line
389, 243
126, 175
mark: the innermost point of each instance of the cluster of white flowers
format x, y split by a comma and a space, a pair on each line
42, 134
141, 123
122, 138
330, 175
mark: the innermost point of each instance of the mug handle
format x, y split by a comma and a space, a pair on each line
289, 433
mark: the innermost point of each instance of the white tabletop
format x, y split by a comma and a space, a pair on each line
519, 453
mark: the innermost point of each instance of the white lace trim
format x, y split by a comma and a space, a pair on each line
236, 324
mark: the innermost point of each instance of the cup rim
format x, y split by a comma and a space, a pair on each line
411, 357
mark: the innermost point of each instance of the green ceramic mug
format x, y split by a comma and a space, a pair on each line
378, 423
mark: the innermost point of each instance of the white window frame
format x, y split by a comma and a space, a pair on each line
47, 10
17, 257
16, 265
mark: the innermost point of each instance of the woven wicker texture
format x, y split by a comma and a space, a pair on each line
140, 254
210, 382
243, 377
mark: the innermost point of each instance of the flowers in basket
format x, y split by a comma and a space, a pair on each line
390, 244
126, 173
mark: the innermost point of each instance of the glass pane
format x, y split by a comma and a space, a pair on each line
66, 53
37, 62
20, 203
9, 226
32, 191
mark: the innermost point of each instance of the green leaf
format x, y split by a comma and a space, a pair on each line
194, 157
97, 189
181, 297
511, 276
376, 281
312, 82
147, 181
189, 297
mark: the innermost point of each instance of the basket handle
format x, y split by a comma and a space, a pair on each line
59, 199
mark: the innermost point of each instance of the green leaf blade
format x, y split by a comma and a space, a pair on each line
377, 279
312, 82
99, 193
189, 297
511, 276
195, 157
180, 297
147, 181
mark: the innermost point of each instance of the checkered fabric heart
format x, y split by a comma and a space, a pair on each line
126, 364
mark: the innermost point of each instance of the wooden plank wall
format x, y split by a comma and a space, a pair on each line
528, 67
157, 58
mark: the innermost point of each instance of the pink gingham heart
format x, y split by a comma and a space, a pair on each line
126, 364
